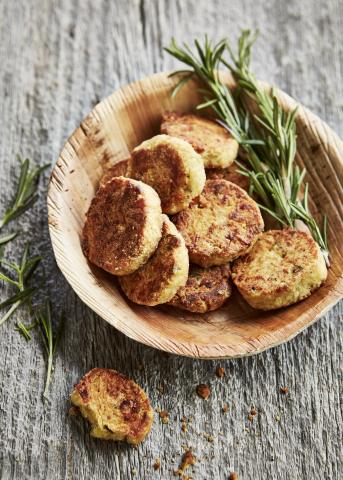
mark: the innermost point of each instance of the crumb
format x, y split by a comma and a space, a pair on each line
134, 472
284, 390
277, 418
253, 411
203, 391
164, 416
208, 437
161, 388
74, 411
188, 459
225, 407
157, 464
250, 417
184, 426
233, 476
220, 372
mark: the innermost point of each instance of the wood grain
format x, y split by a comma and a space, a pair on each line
58, 59
107, 135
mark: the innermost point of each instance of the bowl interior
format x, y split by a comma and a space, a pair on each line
106, 136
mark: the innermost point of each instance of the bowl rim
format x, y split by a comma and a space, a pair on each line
189, 349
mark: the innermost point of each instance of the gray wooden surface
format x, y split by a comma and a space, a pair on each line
58, 58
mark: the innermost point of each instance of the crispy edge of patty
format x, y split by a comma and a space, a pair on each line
165, 272
214, 237
230, 174
282, 268
116, 407
120, 238
119, 169
172, 167
214, 143
206, 289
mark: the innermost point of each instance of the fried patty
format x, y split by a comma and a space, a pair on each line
172, 167
117, 170
116, 407
165, 272
283, 267
123, 226
221, 224
214, 143
231, 174
206, 289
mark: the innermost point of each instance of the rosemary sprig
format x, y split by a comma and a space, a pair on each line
50, 341
269, 141
23, 271
26, 192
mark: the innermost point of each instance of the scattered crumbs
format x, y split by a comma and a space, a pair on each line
277, 418
164, 416
161, 388
203, 391
184, 425
284, 390
74, 411
225, 408
220, 372
233, 476
208, 437
157, 464
188, 459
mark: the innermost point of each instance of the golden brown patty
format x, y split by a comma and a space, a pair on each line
283, 267
220, 224
230, 174
123, 226
215, 144
165, 272
206, 289
171, 167
117, 170
116, 407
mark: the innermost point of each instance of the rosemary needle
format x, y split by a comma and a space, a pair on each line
24, 330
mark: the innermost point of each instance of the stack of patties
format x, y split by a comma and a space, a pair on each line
212, 223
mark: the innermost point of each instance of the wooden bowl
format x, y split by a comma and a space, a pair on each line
106, 136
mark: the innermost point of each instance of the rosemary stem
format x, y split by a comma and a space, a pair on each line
48, 374
9, 312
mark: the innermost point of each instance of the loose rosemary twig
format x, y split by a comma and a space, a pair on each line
26, 193
23, 271
269, 141
50, 341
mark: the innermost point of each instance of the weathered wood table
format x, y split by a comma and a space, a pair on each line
58, 58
